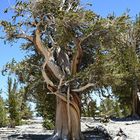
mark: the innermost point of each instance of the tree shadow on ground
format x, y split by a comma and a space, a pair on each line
29, 137
88, 135
128, 118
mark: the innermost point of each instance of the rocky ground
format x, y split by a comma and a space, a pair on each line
130, 128
35, 131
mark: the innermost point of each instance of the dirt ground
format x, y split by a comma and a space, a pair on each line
35, 131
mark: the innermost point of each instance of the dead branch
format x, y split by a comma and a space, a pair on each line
47, 80
60, 83
24, 36
89, 85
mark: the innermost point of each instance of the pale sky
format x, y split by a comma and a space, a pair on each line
101, 7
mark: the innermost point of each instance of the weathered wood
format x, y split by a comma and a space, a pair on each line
52, 68
138, 93
77, 57
63, 130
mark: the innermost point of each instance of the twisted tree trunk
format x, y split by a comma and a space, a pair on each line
67, 126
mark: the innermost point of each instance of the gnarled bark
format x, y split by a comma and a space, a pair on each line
67, 124
77, 57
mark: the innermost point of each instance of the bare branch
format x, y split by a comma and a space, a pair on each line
89, 85
60, 83
24, 36
61, 96
47, 80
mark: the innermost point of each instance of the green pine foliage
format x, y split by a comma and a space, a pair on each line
89, 106
111, 108
25, 108
111, 55
18, 107
13, 104
45, 107
3, 113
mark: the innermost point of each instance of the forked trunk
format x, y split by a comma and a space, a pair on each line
67, 125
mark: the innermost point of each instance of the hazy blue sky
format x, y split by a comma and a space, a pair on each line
105, 7
101, 7
6, 51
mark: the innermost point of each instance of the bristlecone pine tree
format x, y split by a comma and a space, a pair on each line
124, 63
73, 43
59, 31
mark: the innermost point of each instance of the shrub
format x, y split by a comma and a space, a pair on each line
48, 124
3, 113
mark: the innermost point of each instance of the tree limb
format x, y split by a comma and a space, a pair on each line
51, 67
47, 80
61, 96
77, 57
24, 36
83, 88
